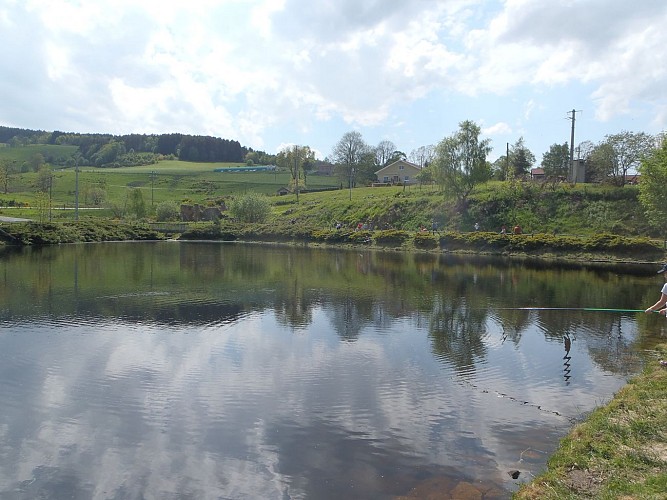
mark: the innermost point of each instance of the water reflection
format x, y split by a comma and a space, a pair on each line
225, 371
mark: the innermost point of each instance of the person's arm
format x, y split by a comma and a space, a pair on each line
658, 305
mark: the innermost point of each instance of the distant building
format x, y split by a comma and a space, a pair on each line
323, 168
256, 168
399, 172
578, 171
196, 212
537, 174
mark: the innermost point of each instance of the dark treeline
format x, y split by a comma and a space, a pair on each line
114, 150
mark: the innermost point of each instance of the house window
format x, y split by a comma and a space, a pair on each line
406, 178
400, 167
385, 178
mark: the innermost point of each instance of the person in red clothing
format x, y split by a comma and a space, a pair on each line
517, 229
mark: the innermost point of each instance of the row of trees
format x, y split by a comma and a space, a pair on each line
353, 160
459, 161
131, 149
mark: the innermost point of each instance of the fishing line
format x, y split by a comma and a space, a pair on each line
516, 400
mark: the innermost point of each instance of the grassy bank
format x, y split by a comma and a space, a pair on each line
548, 208
582, 248
25, 234
619, 452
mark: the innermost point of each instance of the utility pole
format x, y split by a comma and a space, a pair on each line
507, 160
50, 195
296, 172
76, 189
573, 173
153, 174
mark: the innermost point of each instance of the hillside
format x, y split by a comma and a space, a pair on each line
537, 207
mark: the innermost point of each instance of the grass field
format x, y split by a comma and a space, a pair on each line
563, 209
25, 153
168, 180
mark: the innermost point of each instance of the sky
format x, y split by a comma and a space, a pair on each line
270, 73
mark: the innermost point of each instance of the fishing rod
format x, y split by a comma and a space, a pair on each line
604, 309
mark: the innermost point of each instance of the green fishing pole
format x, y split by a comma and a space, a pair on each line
604, 309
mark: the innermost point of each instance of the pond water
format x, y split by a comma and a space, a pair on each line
217, 370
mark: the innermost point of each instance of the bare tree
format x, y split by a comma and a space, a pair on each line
423, 155
384, 152
298, 160
348, 154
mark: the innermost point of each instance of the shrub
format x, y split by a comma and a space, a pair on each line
391, 237
250, 208
331, 235
426, 240
167, 211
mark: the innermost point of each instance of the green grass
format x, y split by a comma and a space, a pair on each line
539, 208
25, 153
620, 451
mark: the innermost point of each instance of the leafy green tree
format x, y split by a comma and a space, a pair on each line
7, 168
600, 163
425, 176
460, 162
365, 171
619, 153
652, 192
36, 162
136, 204
556, 161
500, 169
108, 153
521, 158
44, 179
251, 207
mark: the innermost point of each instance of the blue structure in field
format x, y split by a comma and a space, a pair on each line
258, 168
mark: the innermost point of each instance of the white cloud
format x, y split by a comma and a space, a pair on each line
271, 71
500, 128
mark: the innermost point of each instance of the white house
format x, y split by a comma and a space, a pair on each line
399, 172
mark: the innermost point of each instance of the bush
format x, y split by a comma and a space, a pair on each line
426, 240
167, 211
331, 235
391, 237
250, 208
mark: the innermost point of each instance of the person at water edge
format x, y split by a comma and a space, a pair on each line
503, 229
476, 226
660, 305
434, 227
517, 229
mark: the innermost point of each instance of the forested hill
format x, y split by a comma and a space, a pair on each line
107, 149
